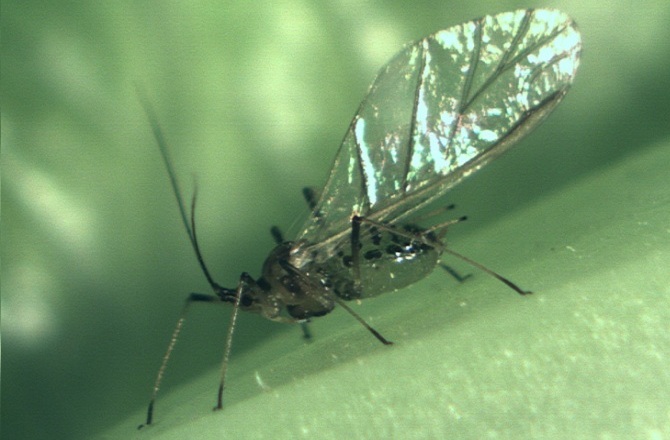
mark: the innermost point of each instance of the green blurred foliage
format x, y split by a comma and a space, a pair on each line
254, 99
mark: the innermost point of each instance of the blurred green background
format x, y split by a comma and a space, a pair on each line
254, 99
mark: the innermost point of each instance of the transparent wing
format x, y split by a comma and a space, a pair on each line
439, 110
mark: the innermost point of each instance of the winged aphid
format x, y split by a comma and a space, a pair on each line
439, 110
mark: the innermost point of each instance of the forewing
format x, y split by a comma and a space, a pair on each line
439, 110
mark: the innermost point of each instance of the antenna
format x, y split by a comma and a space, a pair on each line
165, 154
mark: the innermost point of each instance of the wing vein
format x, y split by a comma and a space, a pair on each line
412, 127
476, 56
503, 65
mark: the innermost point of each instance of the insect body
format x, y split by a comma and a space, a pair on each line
441, 109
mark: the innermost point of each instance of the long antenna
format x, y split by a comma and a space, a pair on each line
165, 154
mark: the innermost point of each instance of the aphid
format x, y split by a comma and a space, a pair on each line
441, 109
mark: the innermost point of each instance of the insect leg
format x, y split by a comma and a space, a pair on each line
193, 297
441, 228
310, 195
499, 277
338, 301
245, 280
433, 213
306, 332
376, 334
277, 235
422, 236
